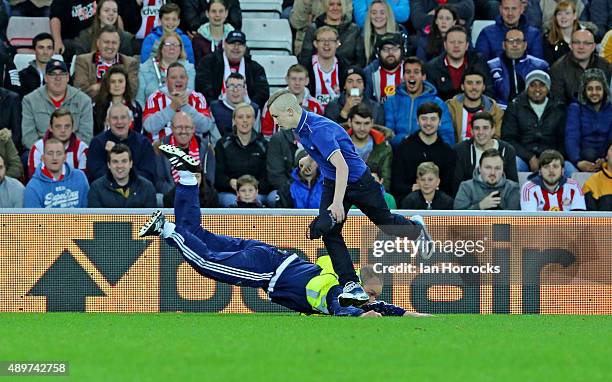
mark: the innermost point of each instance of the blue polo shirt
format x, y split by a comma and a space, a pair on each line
321, 137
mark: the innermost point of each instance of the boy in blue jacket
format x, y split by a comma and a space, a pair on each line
169, 19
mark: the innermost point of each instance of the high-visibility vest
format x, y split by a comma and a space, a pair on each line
318, 287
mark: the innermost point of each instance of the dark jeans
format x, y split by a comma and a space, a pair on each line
367, 196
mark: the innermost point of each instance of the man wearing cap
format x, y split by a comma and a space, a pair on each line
446, 70
510, 68
214, 69
89, 68
353, 94
533, 123
42, 102
385, 72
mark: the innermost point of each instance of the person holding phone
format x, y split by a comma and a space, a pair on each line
353, 90
488, 189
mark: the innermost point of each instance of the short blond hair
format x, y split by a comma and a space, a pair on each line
283, 99
428, 168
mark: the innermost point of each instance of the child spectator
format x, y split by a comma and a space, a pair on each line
247, 192
169, 19
428, 196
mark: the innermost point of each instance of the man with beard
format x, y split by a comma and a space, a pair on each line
463, 106
511, 67
533, 123
215, 68
488, 189
385, 73
549, 189
469, 151
426, 145
446, 70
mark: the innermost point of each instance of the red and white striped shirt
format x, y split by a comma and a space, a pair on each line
150, 16
159, 100
76, 153
385, 82
568, 197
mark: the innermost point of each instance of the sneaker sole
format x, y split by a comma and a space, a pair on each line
190, 163
350, 301
145, 228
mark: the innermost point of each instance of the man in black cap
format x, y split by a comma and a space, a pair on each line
384, 73
215, 68
42, 102
352, 94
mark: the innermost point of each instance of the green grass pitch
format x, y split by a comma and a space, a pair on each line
268, 347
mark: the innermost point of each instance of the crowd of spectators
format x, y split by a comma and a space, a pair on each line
443, 121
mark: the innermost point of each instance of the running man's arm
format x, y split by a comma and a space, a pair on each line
337, 206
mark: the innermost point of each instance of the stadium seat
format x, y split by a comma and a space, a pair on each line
21, 30
522, 178
261, 9
21, 60
268, 36
581, 177
276, 68
478, 26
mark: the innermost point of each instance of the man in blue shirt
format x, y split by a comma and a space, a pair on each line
347, 181
288, 280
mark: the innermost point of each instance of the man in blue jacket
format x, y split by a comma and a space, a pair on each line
169, 19
489, 42
511, 68
55, 184
401, 109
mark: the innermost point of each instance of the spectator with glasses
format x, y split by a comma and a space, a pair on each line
152, 74
566, 72
222, 109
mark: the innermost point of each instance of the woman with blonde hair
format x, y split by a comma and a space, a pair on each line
152, 74
556, 41
379, 21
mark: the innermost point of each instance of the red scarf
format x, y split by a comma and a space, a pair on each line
102, 67
59, 102
194, 152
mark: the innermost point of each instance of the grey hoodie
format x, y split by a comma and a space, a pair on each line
472, 191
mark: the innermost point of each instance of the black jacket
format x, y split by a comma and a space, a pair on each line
209, 79
280, 158
10, 115
103, 193
416, 201
466, 160
235, 160
193, 13
438, 74
529, 135
29, 80
411, 152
